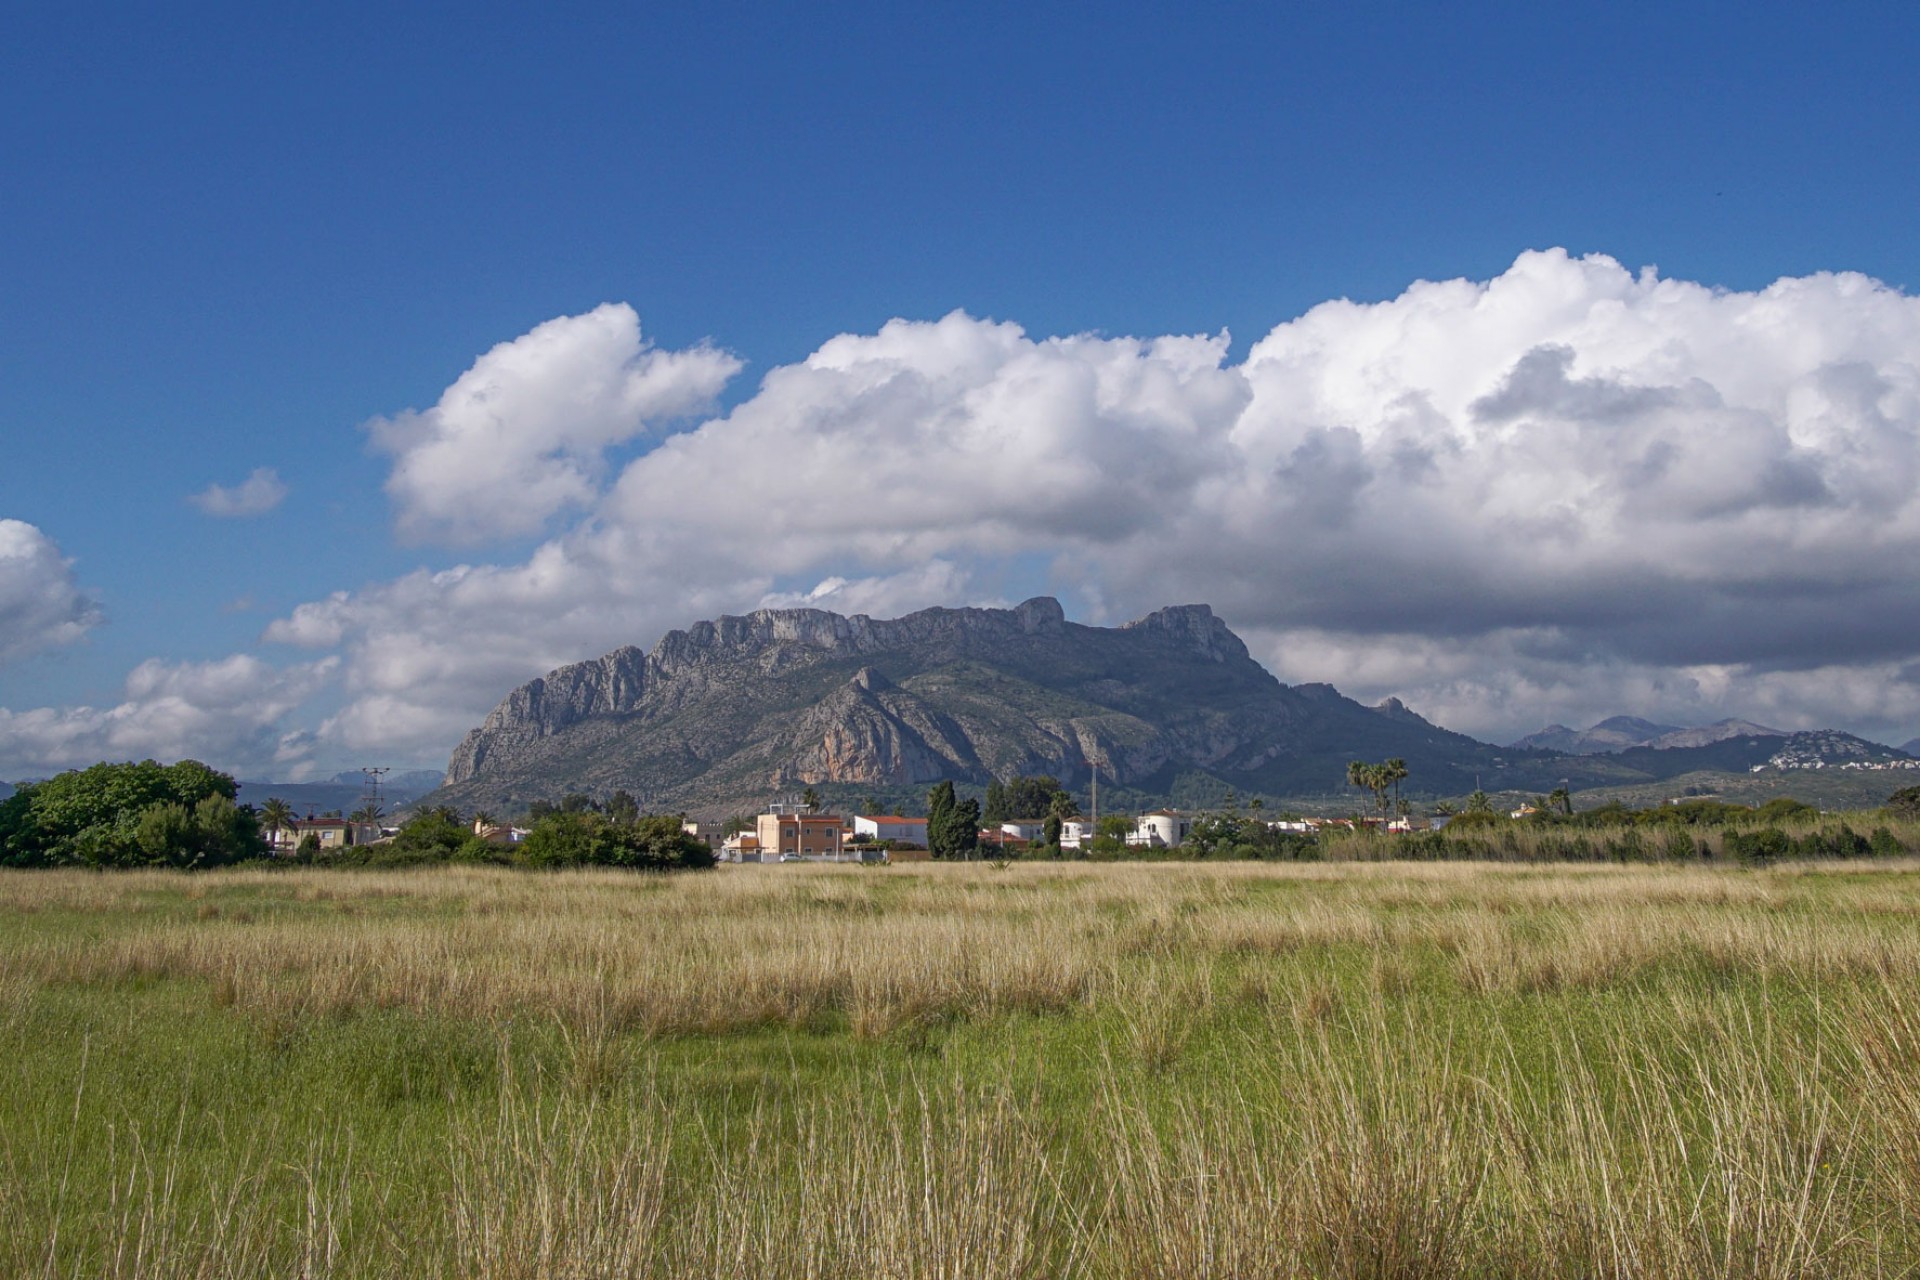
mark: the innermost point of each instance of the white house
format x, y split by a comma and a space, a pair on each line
891, 826
1075, 832
1161, 829
1024, 830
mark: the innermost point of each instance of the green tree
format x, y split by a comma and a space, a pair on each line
953, 825
1031, 797
996, 810
367, 813
1905, 803
92, 815
811, 799
165, 834
623, 808
1561, 799
1050, 830
939, 804
436, 835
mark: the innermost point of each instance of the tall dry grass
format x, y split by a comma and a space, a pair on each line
1350, 1070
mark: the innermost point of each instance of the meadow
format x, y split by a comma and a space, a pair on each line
1342, 1069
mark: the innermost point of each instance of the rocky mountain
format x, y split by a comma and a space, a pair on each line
1616, 733
1708, 734
1623, 733
730, 713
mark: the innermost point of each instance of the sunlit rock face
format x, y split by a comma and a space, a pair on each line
727, 713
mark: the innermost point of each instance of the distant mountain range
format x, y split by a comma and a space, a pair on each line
728, 714
1622, 733
343, 791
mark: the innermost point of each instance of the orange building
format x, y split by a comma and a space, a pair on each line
787, 833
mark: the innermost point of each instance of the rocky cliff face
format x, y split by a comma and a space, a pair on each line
730, 712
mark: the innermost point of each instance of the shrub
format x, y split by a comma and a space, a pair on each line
1758, 848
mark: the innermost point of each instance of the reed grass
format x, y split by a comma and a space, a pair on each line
1345, 1069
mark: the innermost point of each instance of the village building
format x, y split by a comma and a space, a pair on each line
787, 832
331, 834
1161, 829
891, 826
711, 834
1075, 832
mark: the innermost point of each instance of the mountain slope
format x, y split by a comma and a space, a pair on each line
730, 713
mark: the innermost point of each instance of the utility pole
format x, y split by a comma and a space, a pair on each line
370, 798
1094, 762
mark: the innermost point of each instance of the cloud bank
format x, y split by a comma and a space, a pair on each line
229, 713
258, 494
41, 606
1569, 491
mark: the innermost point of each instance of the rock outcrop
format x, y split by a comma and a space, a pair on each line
728, 713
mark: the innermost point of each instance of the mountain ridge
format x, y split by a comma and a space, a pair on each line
731, 711
1624, 733
726, 714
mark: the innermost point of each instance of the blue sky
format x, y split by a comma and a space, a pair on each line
231, 237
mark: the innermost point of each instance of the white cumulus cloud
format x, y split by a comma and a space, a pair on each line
1568, 491
258, 494
521, 436
41, 606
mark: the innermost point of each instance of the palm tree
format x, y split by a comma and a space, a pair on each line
277, 816
1561, 799
811, 799
1359, 775
368, 813
1396, 769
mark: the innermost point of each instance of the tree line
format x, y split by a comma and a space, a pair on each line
145, 814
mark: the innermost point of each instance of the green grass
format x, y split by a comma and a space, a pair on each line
1105, 1071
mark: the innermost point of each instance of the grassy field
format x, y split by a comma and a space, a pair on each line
1169, 1070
